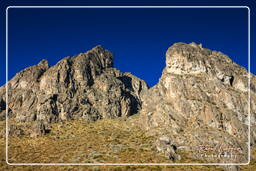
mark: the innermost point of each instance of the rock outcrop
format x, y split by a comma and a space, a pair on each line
82, 87
32, 129
201, 100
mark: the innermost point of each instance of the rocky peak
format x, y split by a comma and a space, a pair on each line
99, 54
182, 59
29, 77
201, 92
78, 71
82, 87
43, 63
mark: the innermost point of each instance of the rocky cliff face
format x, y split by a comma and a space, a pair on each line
82, 87
200, 104
201, 99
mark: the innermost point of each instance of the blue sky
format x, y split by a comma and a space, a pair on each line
138, 38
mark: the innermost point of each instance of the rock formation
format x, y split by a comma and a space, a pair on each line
201, 99
82, 87
199, 106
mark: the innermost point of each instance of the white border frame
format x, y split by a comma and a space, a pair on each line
126, 164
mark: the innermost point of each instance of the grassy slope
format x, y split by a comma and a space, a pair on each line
108, 140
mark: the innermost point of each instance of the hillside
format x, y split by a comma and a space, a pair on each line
83, 110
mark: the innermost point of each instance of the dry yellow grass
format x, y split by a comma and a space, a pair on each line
108, 141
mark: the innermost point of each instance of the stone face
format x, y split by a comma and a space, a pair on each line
201, 98
82, 87
33, 129
38, 129
15, 131
164, 145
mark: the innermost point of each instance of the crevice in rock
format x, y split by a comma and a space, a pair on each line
231, 80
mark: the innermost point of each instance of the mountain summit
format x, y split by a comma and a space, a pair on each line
201, 99
81, 87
